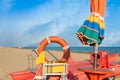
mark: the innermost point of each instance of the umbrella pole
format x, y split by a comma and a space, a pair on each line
95, 56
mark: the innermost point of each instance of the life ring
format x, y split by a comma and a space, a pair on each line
38, 75
55, 39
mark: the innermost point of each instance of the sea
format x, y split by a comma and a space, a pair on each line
111, 50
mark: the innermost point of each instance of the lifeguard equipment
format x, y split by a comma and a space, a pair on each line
55, 70
102, 54
41, 58
51, 69
55, 39
55, 67
22, 75
38, 75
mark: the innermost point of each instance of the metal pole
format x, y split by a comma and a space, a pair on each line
95, 56
35, 52
32, 61
28, 61
53, 55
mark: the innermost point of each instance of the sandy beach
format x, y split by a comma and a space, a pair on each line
15, 59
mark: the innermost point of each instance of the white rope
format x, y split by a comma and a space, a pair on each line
98, 15
38, 77
65, 47
48, 40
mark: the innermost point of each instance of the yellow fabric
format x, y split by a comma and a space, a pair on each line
97, 20
55, 68
41, 58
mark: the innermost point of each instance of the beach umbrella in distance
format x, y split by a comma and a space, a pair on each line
92, 30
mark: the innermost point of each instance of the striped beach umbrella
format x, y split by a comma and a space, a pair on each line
92, 30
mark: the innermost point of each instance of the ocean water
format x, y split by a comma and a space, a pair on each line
111, 50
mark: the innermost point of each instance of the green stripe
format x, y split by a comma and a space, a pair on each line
89, 33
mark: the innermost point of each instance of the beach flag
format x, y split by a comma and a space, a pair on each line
41, 58
92, 30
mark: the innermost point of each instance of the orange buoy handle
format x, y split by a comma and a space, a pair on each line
55, 39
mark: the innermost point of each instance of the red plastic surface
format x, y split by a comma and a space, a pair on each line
22, 75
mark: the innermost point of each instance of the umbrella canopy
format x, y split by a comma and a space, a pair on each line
92, 30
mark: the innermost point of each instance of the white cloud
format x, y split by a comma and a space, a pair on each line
61, 16
61, 20
112, 39
16, 28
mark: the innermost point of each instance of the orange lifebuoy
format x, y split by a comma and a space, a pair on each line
38, 75
55, 39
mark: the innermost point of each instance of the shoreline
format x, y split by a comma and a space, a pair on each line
77, 49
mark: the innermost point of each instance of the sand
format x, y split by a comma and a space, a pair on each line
15, 59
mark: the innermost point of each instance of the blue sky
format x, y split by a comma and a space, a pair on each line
27, 22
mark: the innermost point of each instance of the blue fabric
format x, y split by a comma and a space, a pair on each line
95, 26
